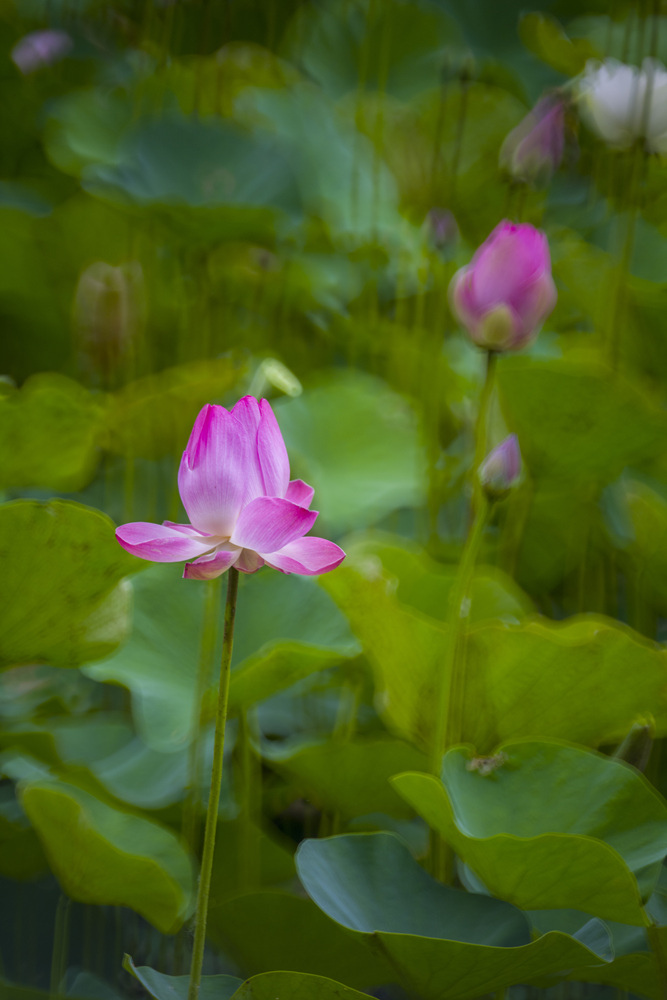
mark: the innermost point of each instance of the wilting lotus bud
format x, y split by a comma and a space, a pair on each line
506, 292
109, 307
40, 48
440, 228
623, 103
501, 468
534, 149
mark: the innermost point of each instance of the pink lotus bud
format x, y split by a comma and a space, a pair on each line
440, 228
534, 149
506, 292
40, 48
501, 468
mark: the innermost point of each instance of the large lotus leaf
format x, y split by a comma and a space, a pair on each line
357, 443
544, 678
194, 162
444, 944
61, 599
342, 181
153, 417
49, 432
405, 650
639, 974
351, 778
338, 45
102, 855
85, 127
547, 825
81, 739
296, 986
530, 679
159, 663
424, 584
163, 987
573, 424
268, 930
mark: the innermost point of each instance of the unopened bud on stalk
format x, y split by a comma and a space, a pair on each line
109, 311
440, 228
501, 469
533, 150
505, 293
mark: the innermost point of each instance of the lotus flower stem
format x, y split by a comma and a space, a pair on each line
214, 795
207, 651
619, 299
60, 945
448, 729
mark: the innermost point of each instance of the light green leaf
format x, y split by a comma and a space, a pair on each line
61, 600
591, 835
351, 778
102, 855
153, 417
159, 663
531, 679
296, 986
49, 432
357, 443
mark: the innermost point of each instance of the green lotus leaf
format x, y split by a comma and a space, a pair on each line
548, 825
74, 608
105, 856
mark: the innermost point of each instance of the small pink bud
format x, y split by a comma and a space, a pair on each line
501, 468
40, 48
440, 228
533, 150
506, 292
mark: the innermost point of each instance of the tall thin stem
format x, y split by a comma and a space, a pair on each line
214, 795
451, 696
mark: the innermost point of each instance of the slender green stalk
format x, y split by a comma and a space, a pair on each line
60, 945
214, 796
619, 299
451, 696
204, 669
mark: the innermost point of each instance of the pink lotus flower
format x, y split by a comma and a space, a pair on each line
506, 292
235, 486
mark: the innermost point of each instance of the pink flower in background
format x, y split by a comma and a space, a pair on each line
506, 292
40, 48
534, 149
501, 469
244, 511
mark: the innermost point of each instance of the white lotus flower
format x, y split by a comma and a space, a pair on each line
623, 103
